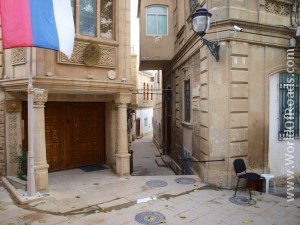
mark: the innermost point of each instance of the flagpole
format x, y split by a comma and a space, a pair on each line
31, 189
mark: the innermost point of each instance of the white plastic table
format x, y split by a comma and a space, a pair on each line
268, 177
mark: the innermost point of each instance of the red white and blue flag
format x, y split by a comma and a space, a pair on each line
38, 23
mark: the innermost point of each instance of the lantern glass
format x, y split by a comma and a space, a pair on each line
201, 24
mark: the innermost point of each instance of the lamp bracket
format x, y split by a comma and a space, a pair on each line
213, 48
203, 3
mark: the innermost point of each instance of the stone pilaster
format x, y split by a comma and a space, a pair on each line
39, 140
122, 156
11, 138
238, 105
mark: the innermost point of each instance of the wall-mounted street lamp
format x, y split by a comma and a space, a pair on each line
200, 25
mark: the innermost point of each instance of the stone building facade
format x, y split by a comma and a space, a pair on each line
142, 103
223, 109
157, 110
80, 115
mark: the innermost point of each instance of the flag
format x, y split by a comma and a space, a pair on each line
38, 23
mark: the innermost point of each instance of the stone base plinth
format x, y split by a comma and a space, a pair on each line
41, 177
122, 165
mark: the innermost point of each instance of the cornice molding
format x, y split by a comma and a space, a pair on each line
192, 46
67, 85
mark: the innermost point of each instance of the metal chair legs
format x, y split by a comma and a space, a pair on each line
236, 187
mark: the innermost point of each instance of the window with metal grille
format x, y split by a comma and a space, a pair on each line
289, 95
187, 101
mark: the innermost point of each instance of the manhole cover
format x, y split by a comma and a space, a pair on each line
156, 183
151, 218
241, 200
185, 180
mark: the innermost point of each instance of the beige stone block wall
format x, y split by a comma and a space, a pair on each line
230, 109
258, 123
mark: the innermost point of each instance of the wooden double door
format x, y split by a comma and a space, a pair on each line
75, 134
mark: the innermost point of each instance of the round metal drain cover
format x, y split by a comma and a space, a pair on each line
150, 218
241, 200
156, 183
185, 180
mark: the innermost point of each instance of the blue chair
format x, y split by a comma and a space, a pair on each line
241, 173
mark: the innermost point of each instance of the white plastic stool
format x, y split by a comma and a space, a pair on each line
268, 177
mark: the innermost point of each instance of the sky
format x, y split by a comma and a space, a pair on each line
134, 42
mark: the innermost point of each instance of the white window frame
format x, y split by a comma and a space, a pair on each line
167, 14
97, 20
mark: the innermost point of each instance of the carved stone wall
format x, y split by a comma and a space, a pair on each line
12, 138
277, 8
18, 56
107, 57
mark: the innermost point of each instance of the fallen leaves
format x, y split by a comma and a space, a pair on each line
246, 221
151, 218
42, 220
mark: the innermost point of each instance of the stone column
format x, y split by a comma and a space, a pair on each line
122, 155
39, 140
133, 132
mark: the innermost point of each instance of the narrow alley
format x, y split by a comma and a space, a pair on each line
145, 157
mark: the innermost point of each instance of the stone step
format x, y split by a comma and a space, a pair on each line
166, 159
160, 162
157, 153
17, 183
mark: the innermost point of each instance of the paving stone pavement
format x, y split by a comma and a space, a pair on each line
144, 158
100, 197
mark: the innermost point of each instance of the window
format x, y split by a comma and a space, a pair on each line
106, 22
157, 21
87, 18
187, 101
289, 95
